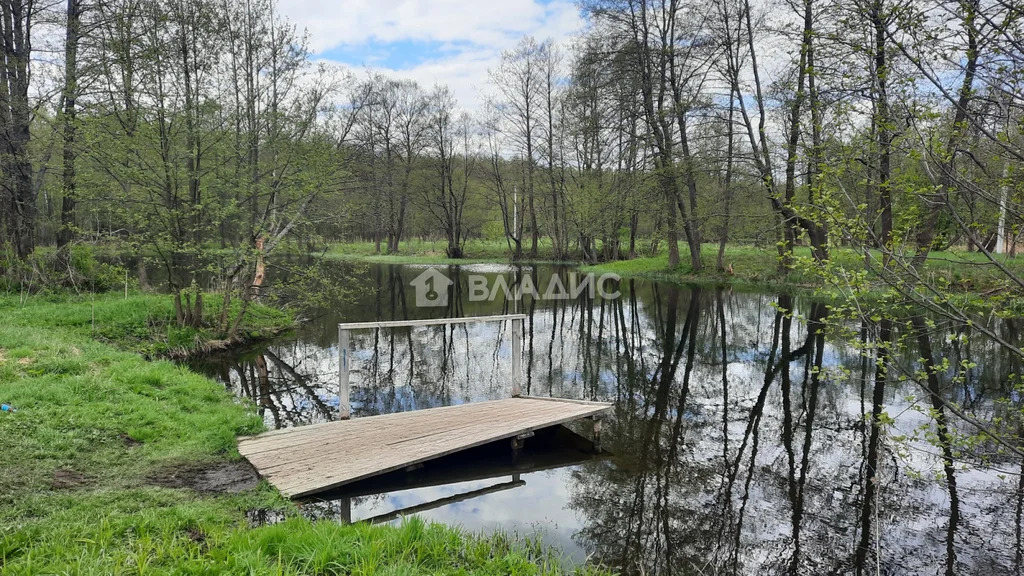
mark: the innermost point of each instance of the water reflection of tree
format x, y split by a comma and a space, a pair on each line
739, 450
283, 395
781, 476
666, 507
633, 500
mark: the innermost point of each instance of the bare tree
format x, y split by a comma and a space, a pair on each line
519, 80
17, 19
454, 163
670, 60
500, 183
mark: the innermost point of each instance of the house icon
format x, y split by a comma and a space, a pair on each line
431, 288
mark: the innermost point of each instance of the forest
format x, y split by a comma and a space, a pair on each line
182, 128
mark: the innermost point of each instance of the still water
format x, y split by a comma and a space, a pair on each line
737, 444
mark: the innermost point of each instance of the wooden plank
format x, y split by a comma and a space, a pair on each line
313, 459
411, 424
344, 387
404, 417
397, 431
398, 428
337, 467
408, 421
553, 399
567, 450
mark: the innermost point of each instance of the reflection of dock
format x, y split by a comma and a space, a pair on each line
313, 459
455, 499
551, 449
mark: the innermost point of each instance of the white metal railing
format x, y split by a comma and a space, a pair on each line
344, 330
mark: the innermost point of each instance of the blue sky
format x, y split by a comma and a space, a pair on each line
397, 55
453, 42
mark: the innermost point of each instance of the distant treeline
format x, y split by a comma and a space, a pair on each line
184, 125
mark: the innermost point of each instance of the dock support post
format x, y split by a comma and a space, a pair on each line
518, 441
344, 406
345, 507
597, 434
517, 357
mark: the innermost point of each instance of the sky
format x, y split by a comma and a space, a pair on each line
453, 42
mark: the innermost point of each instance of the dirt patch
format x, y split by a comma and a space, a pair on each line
68, 479
196, 535
24, 361
128, 441
3, 355
215, 478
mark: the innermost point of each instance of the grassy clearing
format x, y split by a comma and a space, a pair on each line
417, 251
973, 280
966, 272
750, 267
104, 461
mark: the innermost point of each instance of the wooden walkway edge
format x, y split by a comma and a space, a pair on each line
311, 459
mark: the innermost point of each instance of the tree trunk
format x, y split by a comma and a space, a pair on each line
67, 210
883, 125
634, 223
15, 112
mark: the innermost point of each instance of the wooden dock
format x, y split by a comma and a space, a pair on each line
313, 459
549, 449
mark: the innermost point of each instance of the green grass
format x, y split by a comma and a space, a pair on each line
417, 251
750, 266
100, 431
142, 322
967, 273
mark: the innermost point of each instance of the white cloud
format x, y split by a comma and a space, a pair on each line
465, 73
470, 33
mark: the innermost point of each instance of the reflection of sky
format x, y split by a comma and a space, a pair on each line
536, 509
566, 358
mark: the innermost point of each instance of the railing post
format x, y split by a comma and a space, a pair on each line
517, 357
344, 407
345, 329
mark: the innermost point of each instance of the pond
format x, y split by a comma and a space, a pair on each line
737, 443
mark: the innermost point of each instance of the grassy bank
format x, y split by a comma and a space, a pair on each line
142, 323
113, 464
965, 272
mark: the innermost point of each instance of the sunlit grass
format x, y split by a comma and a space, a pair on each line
97, 426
